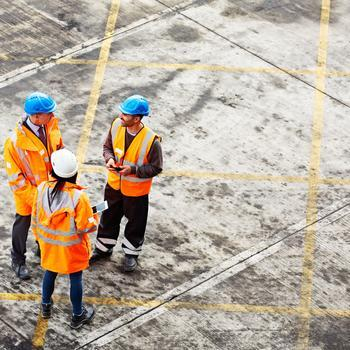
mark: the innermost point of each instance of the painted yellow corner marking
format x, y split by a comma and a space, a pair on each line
314, 170
97, 83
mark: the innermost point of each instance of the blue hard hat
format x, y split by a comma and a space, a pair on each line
135, 105
37, 102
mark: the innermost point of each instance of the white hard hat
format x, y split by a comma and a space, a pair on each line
64, 163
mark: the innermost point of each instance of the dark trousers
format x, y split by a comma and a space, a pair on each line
76, 289
135, 209
20, 230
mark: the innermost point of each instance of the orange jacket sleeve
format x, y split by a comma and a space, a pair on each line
21, 187
85, 220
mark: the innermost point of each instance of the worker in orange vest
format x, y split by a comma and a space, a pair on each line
62, 219
133, 156
27, 162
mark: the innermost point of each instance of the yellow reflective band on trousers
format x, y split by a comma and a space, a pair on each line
136, 155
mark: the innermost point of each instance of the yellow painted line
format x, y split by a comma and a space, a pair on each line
243, 308
38, 339
97, 83
4, 57
331, 312
235, 176
92, 169
337, 74
314, 169
208, 175
188, 66
334, 181
133, 303
20, 297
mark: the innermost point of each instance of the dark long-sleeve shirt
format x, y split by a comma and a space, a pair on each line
155, 156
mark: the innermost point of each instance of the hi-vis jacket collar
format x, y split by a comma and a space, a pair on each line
24, 136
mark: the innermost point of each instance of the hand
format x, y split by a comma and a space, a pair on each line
110, 165
126, 170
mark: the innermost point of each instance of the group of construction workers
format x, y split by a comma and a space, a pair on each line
43, 178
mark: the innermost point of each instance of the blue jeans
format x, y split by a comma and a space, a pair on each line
76, 289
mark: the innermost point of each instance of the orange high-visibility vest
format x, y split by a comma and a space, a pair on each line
62, 227
27, 162
136, 155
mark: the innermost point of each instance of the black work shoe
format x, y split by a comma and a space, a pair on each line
97, 255
46, 310
87, 315
20, 270
130, 263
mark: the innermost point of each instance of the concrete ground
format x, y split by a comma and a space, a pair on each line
247, 244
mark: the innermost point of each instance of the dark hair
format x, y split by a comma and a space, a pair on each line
60, 182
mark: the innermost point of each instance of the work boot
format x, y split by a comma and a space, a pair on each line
87, 315
98, 255
20, 270
130, 263
46, 310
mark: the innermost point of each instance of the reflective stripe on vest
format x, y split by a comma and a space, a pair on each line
28, 171
19, 185
136, 156
64, 202
60, 243
114, 130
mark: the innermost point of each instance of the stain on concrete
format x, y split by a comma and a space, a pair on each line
200, 133
233, 12
282, 11
279, 83
231, 101
182, 33
330, 333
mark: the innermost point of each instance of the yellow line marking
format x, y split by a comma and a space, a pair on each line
330, 312
234, 176
4, 57
38, 340
334, 181
247, 308
92, 169
87, 168
188, 66
337, 74
311, 211
202, 67
20, 297
98, 80
208, 175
